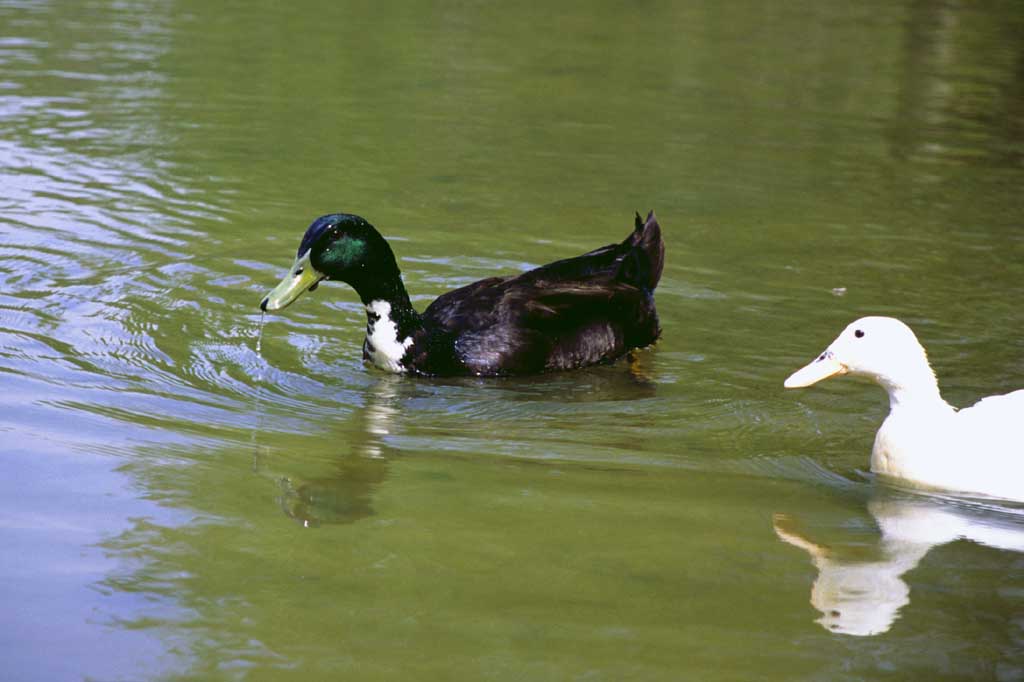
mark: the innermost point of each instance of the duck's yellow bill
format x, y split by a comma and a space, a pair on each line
823, 367
301, 277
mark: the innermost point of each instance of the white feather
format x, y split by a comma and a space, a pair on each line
386, 350
925, 440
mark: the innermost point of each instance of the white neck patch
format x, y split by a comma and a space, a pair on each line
385, 349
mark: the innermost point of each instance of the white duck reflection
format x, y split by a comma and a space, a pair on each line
863, 598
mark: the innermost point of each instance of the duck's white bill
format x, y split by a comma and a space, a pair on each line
823, 367
301, 277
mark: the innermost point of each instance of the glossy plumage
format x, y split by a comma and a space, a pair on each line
571, 313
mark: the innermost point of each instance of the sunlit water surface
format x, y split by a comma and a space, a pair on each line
180, 505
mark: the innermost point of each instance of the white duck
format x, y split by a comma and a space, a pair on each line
925, 440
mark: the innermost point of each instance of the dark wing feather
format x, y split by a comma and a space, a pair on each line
542, 326
470, 307
570, 313
591, 322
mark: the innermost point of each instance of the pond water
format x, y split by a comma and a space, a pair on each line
177, 505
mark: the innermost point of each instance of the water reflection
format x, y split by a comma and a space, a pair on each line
860, 590
947, 110
368, 440
346, 495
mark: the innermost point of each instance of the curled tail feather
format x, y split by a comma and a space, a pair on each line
642, 266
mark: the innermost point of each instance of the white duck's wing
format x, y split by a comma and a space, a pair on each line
991, 435
994, 424
1005, 410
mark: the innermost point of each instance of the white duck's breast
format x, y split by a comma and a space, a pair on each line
913, 446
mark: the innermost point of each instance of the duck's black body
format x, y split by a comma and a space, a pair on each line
571, 313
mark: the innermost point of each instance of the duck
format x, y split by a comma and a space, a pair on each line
925, 441
586, 310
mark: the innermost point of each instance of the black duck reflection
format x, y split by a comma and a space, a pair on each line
469, 408
346, 495
863, 596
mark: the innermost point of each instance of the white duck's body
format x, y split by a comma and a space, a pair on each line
925, 440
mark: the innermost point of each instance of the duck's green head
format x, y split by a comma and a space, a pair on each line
339, 246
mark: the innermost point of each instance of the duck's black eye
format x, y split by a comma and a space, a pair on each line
859, 333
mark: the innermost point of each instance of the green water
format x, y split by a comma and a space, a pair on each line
178, 506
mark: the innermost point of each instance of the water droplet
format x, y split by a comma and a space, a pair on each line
259, 337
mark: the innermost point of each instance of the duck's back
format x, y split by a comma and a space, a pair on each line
1007, 408
992, 442
994, 429
571, 313
978, 449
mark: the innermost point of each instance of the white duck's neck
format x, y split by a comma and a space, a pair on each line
914, 390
